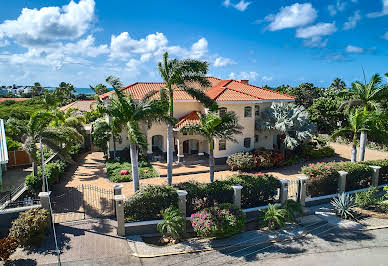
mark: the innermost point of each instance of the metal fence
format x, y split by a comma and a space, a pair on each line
10, 194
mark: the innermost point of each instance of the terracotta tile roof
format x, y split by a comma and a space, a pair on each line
83, 106
221, 90
190, 118
13, 99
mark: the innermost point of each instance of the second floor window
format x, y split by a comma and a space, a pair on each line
257, 110
222, 145
248, 111
222, 111
247, 142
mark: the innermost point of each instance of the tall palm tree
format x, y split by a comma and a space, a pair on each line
71, 118
39, 130
293, 121
179, 74
366, 95
357, 123
128, 113
337, 84
213, 127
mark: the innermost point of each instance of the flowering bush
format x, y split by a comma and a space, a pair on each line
260, 158
220, 221
241, 161
8, 246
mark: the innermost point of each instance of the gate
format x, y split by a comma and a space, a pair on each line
83, 202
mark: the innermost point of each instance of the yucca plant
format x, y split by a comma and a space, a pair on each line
275, 217
343, 205
173, 223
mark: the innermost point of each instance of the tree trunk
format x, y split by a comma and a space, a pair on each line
363, 141
354, 153
135, 166
211, 161
34, 169
114, 148
170, 153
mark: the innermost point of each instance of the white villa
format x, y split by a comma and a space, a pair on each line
246, 100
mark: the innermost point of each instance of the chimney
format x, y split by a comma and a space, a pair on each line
244, 81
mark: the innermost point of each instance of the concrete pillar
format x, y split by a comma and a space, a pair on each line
117, 189
44, 201
119, 199
182, 201
180, 151
283, 191
302, 190
237, 195
375, 176
342, 181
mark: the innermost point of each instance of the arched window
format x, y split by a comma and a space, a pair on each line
248, 111
222, 111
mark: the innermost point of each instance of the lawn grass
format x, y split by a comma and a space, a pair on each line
114, 168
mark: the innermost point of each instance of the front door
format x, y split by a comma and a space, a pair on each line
186, 147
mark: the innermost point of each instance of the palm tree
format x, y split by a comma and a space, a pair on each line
213, 127
128, 113
337, 84
291, 120
36, 90
357, 124
39, 130
366, 95
71, 117
178, 74
99, 89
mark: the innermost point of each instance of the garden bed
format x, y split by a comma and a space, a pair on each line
114, 170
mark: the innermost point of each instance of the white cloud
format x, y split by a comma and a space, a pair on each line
86, 47
352, 21
319, 29
382, 13
385, 36
338, 7
41, 27
293, 16
222, 61
315, 41
354, 49
244, 75
267, 78
240, 6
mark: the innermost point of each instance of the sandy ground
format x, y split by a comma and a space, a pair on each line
91, 170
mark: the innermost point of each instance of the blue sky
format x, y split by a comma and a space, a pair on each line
267, 42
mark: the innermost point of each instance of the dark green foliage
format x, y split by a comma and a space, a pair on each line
241, 161
257, 190
101, 134
13, 145
383, 171
148, 203
30, 227
53, 171
304, 94
324, 112
113, 170
274, 217
323, 177
322, 152
218, 221
366, 199
173, 223
20, 110
294, 209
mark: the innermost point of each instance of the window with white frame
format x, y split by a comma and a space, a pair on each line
247, 142
248, 111
222, 144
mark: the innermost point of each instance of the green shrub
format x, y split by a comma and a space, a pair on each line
323, 177
241, 161
294, 209
173, 224
13, 145
366, 199
267, 158
383, 170
343, 205
274, 217
113, 170
53, 171
219, 221
322, 152
148, 203
30, 227
257, 190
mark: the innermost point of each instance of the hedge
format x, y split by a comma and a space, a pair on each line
148, 202
323, 177
53, 171
113, 170
383, 170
